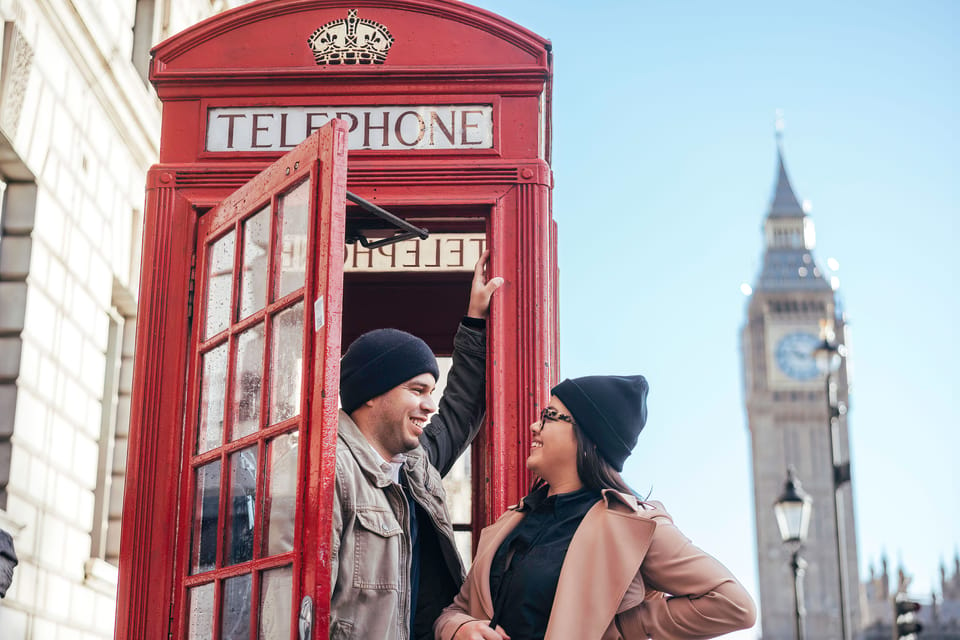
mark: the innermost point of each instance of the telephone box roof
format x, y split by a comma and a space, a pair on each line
428, 38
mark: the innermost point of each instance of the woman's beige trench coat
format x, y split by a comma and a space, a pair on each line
629, 573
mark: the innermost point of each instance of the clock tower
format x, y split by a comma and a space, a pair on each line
793, 412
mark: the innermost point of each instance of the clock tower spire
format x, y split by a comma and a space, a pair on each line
789, 240
791, 310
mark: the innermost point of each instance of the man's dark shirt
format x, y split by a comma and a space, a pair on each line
526, 567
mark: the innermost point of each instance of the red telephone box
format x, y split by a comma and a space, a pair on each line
289, 126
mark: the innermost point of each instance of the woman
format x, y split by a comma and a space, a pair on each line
581, 558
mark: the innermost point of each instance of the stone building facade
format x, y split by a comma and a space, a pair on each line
939, 612
792, 305
79, 127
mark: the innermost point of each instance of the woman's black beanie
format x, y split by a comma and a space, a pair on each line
611, 411
378, 361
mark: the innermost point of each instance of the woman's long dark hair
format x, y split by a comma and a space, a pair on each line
594, 471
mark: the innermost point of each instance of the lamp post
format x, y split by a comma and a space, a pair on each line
828, 357
793, 509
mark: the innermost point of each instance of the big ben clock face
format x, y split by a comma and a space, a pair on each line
794, 354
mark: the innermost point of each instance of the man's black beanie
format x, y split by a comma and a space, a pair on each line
611, 411
378, 361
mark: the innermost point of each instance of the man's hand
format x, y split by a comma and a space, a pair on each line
482, 289
480, 629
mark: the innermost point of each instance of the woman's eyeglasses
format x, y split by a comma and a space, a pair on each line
549, 413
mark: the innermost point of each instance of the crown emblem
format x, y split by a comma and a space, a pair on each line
351, 40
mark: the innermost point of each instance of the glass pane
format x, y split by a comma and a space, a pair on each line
249, 378
200, 604
213, 388
464, 542
205, 518
236, 608
286, 364
242, 506
292, 212
281, 494
256, 246
219, 285
276, 602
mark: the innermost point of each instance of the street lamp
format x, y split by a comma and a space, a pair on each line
829, 356
793, 509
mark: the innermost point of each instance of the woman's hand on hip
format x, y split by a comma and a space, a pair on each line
480, 630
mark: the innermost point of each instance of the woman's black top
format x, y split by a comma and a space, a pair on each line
526, 567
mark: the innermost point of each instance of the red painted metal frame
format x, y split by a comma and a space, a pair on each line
153, 462
328, 252
328, 201
445, 52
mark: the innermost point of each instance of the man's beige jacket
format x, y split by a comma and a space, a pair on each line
371, 549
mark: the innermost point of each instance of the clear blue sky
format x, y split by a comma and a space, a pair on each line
665, 159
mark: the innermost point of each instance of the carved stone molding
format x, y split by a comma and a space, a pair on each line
14, 75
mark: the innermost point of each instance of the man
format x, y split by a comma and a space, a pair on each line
394, 563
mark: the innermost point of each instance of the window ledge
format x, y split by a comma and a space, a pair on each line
11, 526
100, 575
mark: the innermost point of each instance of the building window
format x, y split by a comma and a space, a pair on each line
143, 37
108, 421
114, 430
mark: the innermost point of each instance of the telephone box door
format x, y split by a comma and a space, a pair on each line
260, 429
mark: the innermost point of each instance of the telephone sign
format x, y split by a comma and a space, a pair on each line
396, 128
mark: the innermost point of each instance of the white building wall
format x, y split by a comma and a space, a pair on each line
77, 115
